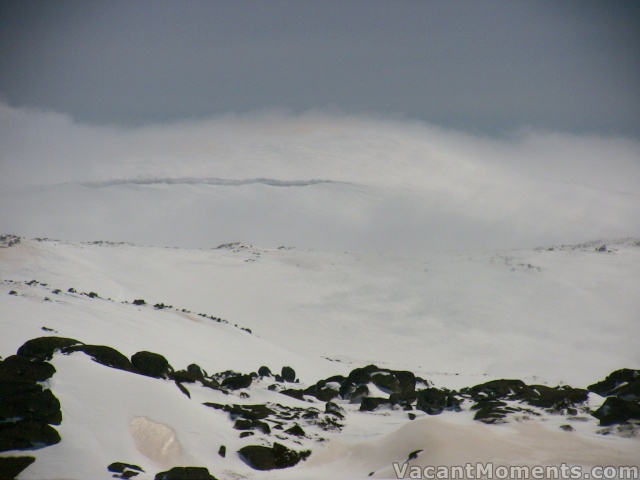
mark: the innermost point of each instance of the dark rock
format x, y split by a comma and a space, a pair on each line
22, 369
357, 395
552, 398
432, 401
413, 455
37, 405
556, 398
250, 412
27, 435
13, 292
369, 404
412, 416
237, 382
293, 393
404, 399
490, 411
124, 470
260, 457
386, 382
333, 409
246, 434
183, 389
222, 451
322, 392
624, 383
296, 430
362, 376
151, 364
566, 428
288, 374
103, 355
245, 424
184, 376
407, 381
139, 302
185, 473
264, 371
497, 389
615, 410
43, 348
11, 467
195, 370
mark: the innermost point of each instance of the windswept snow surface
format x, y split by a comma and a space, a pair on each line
566, 314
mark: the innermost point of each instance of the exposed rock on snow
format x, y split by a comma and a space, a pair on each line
278, 456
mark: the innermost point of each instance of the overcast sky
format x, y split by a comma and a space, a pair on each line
485, 67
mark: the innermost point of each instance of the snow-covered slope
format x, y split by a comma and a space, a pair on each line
565, 314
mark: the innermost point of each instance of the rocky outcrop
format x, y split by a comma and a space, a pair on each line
151, 364
622, 389
11, 467
124, 470
260, 457
185, 473
27, 410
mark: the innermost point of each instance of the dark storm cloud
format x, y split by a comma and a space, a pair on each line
482, 66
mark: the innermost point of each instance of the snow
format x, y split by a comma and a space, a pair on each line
457, 319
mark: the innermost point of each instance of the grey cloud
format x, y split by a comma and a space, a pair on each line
483, 67
352, 182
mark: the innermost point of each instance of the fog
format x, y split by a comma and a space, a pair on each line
321, 179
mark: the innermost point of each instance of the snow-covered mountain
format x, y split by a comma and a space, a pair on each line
258, 362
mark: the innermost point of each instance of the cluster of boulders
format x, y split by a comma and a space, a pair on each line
28, 410
622, 391
492, 400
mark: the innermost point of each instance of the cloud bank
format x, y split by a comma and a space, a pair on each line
353, 182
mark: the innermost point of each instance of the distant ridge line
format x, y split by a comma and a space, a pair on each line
227, 182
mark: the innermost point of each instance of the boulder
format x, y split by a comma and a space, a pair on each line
369, 404
37, 405
124, 470
237, 382
151, 364
615, 410
431, 400
27, 435
185, 473
103, 355
490, 411
554, 398
386, 382
10, 467
362, 376
288, 374
43, 348
624, 383
19, 369
260, 457
296, 430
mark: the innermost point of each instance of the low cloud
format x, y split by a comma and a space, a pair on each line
353, 182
